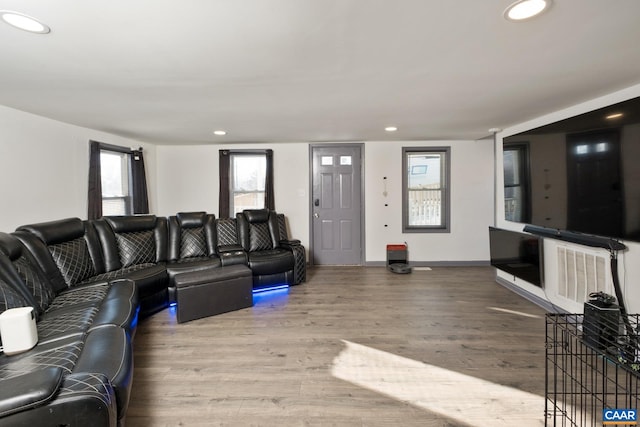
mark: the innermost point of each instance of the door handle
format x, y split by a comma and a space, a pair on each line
316, 202
316, 215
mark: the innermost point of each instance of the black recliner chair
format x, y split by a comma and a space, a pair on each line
192, 245
272, 260
135, 247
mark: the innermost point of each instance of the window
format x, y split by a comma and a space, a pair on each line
117, 182
516, 182
115, 179
425, 185
248, 173
246, 181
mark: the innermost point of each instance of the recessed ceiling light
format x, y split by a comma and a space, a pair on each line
614, 116
391, 128
525, 9
23, 22
220, 132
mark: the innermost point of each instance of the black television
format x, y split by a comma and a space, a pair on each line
519, 254
580, 175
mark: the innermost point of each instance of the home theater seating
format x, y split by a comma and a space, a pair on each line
88, 283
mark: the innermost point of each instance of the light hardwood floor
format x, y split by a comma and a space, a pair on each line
353, 346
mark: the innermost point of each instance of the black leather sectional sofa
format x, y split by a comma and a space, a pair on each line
90, 281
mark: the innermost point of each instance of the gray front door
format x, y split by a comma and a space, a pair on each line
336, 204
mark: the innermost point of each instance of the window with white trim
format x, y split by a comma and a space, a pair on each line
115, 177
247, 184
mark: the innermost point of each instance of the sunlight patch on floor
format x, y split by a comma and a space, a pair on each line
519, 313
463, 398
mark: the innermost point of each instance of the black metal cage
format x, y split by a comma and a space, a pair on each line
592, 364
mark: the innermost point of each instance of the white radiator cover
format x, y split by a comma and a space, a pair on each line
581, 271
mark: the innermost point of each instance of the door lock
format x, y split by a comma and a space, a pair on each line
316, 215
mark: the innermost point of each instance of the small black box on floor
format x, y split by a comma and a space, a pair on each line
396, 254
213, 291
601, 324
397, 259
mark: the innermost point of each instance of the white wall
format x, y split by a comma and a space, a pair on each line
629, 261
471, 203
188, 180
44, 168
44, 165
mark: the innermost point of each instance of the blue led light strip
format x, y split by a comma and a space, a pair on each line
270, 289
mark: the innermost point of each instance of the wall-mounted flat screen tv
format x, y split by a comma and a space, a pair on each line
581, 174
519, 254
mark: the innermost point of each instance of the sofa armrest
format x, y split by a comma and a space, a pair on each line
229, 248
232, 255
29, 390
299, 258
289, 243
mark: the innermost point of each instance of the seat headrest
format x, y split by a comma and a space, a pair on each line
126, 224
256, 215
58, 231
191, 219
10, 246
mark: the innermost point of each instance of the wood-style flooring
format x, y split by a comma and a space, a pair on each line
353, 346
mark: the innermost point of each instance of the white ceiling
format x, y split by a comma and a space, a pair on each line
171, 72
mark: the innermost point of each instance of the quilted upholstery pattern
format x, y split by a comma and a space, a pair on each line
227, 234
62, 323
80, 295
136, 247
300, 265
86, 384
63, 357
259, 237
73, 260
43, 293
193, 243
116, 274
9, 298
282, 227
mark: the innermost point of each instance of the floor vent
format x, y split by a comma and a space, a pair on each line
580, 273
